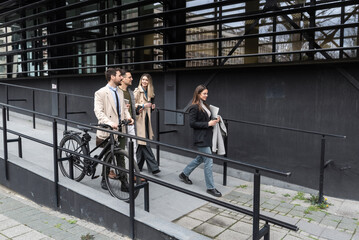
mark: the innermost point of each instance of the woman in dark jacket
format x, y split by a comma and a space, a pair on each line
200, 121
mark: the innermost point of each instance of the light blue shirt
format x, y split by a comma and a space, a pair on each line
113, 92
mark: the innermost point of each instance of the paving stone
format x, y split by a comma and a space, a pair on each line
232, 215
30, 235
313, 217
348, 226
212, 209
329, 222
356, 236
277, 234
335, 235
282, 209
242, 227
292, 237
201, 215
296, 213
222, 221
311, 228
16, 231
8, 224
209, 230
229, 234
188, 222
268, 206
2, 237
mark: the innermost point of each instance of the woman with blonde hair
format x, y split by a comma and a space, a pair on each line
200, 121
144, 97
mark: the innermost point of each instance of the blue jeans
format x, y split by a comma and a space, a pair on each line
208, 163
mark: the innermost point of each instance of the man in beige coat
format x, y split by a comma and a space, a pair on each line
110, 108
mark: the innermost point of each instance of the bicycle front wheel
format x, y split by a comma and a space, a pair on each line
72, 143
116, 180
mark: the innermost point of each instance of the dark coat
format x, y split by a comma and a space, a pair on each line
202, 133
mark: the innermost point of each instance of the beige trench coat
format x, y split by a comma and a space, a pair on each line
105, 109
140, 99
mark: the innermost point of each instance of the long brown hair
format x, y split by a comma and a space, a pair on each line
196, 99
150, 88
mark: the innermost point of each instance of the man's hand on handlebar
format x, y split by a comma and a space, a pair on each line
131, 121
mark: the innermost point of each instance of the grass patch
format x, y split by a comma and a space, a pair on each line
243, 186
72, 221
58, 226
271, 192
310, 209
286, 195
358, 223
87, 237
300, 196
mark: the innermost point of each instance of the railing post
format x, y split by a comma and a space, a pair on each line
147, 197
56, 170
19, 142
321, 174
131, 188
65, 112
158, 135
7, 101
33, 109
71, 167
225, 155
256, 203
5, 141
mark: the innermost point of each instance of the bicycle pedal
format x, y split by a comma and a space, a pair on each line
94, 177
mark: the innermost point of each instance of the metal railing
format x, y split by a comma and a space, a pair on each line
33, 90
256, 170
323, 164
159, 132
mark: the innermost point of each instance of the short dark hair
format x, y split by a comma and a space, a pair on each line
124, 71
110, 72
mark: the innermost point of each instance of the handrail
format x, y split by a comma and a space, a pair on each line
44, 90
257, 232
267, 125
236, 162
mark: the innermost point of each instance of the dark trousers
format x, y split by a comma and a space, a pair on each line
144, 153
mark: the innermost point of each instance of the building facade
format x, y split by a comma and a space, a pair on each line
284, 63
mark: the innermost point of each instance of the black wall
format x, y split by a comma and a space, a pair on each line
316, 98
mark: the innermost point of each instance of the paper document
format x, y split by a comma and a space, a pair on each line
214, 111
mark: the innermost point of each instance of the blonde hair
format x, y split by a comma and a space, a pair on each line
150, 88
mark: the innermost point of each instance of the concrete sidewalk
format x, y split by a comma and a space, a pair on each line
337, 222
21, 218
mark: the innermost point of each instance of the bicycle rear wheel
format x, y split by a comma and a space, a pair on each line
72, 143
117, 181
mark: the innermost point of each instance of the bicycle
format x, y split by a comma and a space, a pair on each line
77, 167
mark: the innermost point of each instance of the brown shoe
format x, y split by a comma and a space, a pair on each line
112, 174
141, 179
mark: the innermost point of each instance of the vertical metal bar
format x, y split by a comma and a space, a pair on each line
33, 109
256, 200
56, 170
71, 167
5, 141
225, 163
131, 188
158, 135
66, 112
321, 174
7, 101
274, 41
342, 20
267, 235
19, 142
147, 197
